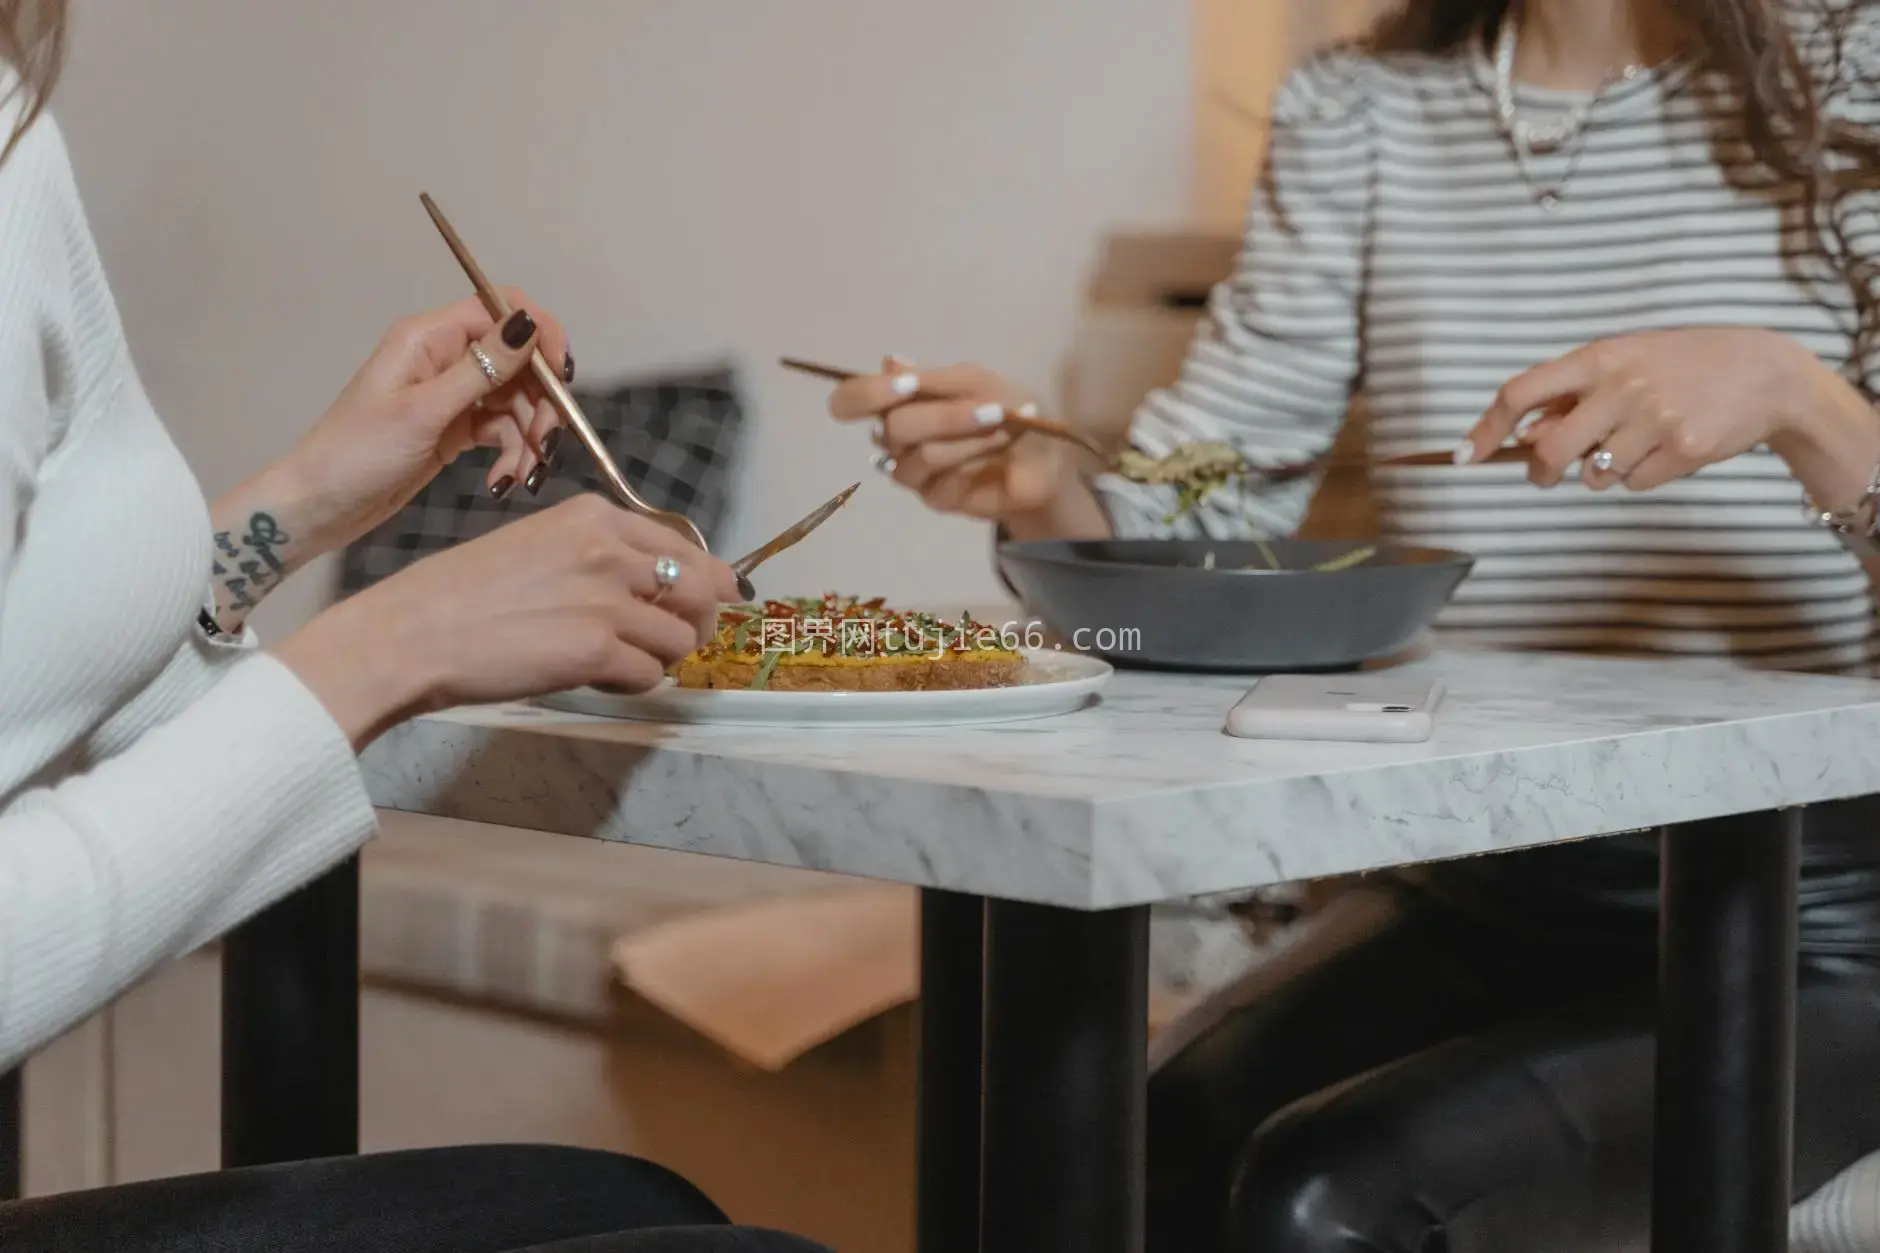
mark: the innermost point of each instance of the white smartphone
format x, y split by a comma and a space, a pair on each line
1363, 708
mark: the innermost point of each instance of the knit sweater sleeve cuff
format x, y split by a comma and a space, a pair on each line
213, 633
248, 793
252, 791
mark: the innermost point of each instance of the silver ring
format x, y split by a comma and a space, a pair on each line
666, 572
486, 365
885, 463
665, 578
1602, 461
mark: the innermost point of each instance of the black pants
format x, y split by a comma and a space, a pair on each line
498, 1199
1413, 1079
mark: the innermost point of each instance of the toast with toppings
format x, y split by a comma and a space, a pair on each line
845, 644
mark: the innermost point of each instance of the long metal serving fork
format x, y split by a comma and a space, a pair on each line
564, 402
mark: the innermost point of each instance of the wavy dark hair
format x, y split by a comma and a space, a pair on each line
1753, 45
32, 43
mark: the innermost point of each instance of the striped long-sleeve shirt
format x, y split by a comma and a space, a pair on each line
1395, 253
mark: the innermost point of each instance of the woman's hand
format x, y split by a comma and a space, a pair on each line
413, 408
939, 434
1644, 409
563, 598
422, 399
1648, 408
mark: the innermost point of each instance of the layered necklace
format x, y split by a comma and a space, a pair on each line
1566, 135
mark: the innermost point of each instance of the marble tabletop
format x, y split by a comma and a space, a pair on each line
1142, 797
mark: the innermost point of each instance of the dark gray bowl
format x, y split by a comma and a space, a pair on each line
1152, 603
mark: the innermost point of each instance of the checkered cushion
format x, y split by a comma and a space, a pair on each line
675, 438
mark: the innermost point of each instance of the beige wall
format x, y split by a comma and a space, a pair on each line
836, 178
1243, 49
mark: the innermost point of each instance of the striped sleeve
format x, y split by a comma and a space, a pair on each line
1273, 366
1840, 42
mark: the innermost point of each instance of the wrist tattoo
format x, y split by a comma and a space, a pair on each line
247, 566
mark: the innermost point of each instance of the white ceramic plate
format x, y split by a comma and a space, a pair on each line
1055, 683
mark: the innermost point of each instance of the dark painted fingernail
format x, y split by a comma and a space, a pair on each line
567, 367
503, 486
551, 447
537, 477
519, 329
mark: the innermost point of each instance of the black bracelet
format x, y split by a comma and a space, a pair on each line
210, 627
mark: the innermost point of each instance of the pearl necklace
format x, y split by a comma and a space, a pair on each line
1529, 139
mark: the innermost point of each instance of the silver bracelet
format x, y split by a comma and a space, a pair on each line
1855, 527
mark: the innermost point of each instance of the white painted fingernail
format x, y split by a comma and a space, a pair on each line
880, 431
905, 384
1465, 453
884, 463
989, 414
1028, 410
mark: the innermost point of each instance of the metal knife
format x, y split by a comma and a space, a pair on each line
789, 538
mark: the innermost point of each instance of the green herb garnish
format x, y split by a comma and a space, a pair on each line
761, 679
1345, 561
1194, 470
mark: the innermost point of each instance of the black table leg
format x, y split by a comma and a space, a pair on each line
1726, 1035
952, 1024
290, 1027
12, 1136
1067, 1059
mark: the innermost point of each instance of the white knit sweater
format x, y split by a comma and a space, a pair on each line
154, 789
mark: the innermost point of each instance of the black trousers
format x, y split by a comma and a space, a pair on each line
496, 1199
1413, 1078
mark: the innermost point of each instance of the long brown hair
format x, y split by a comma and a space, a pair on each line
1752, 44
32, 43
